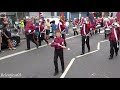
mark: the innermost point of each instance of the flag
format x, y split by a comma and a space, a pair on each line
91, 18
62, 18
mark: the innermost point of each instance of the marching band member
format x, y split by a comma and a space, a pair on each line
75, 24
95, 24
99, 20
43, 32
85, 37
61, 28
106, 26
37, 31
29, 32
114, 38
58, 44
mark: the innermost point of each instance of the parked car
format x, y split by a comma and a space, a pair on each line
15, 39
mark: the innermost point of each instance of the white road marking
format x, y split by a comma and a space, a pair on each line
71, 62
98, 46
68, 67
21, 52
103, 41
86, 54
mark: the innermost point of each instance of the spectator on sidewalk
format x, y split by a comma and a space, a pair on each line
24, 21
7, 35
54, 27
16, 25
47, 27
67, 26
22, 26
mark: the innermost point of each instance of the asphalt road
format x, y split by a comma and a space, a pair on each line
38, 63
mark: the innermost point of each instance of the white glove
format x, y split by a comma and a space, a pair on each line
58, 44
29, 31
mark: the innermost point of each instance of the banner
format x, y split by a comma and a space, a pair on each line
91, 18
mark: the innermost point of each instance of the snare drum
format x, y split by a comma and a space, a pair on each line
80, 27
74, 28
107, 30
98, 26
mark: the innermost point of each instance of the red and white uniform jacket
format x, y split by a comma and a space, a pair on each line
81, 21
42, 30
30, 26
107, 24
61, 26
111, 21
85, 29
57, 40
112, 34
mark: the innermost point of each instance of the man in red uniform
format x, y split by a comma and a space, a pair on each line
85, 32
106, 26
61, 28
29, 31
58, 44
114, 38
75, 24
43, 32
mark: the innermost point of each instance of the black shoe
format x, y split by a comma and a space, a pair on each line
63, 71
56, 73
89, 50
0, 51
82, 53
27, 49
116, 54
47, 42
110, 58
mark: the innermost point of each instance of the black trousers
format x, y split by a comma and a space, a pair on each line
113, 48
105, 35
85, 42
75, 32
63, 36
42, 37
58, 53
29, 38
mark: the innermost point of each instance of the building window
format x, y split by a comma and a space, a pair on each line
58, 13
52, 13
